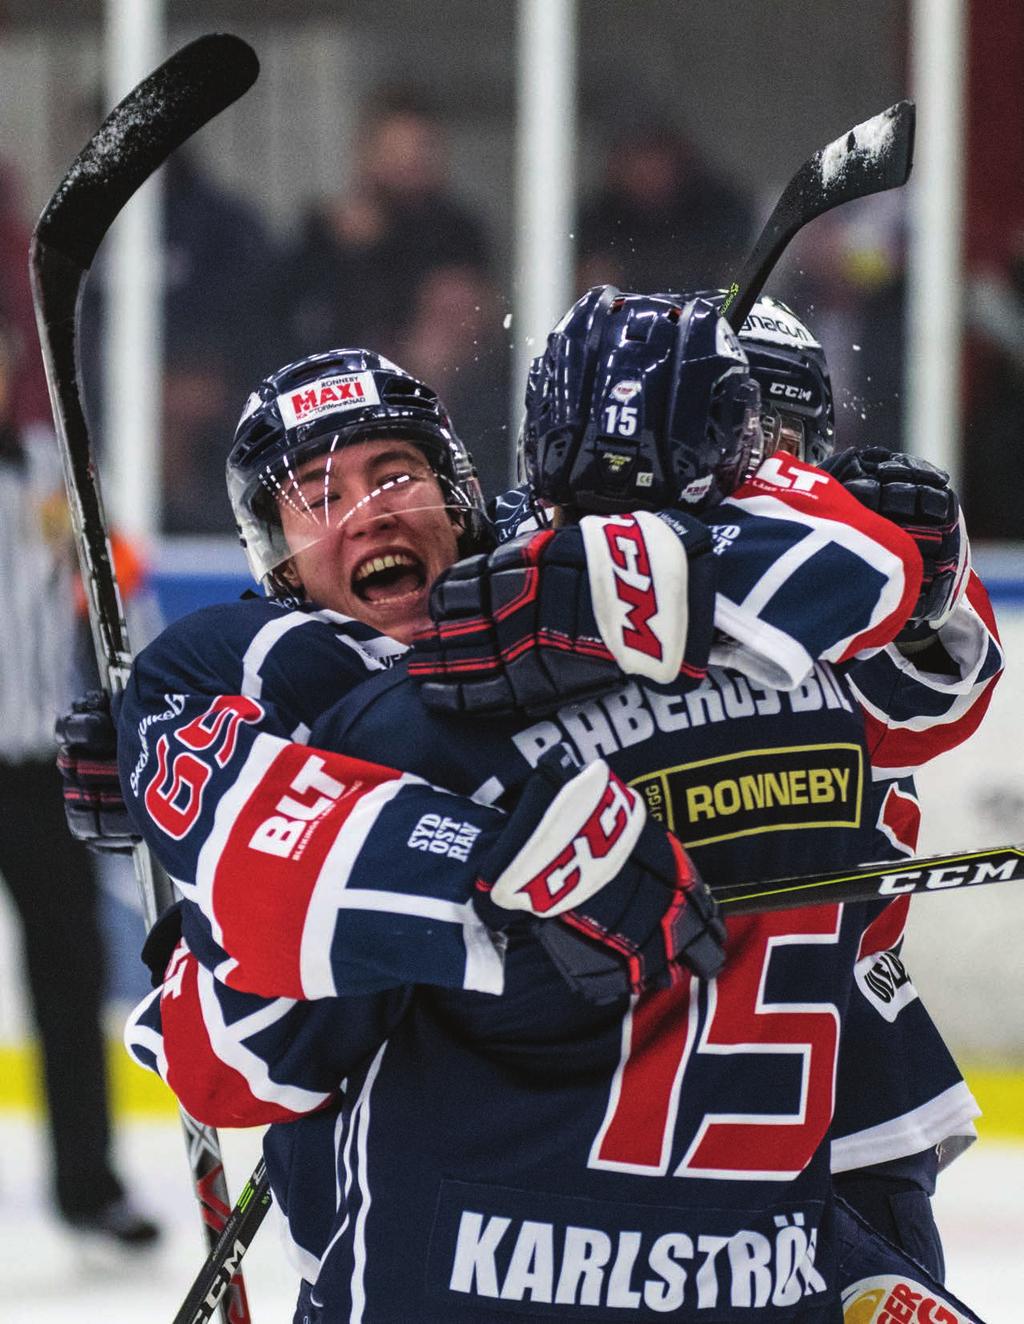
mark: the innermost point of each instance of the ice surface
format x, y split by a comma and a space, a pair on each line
46, 1279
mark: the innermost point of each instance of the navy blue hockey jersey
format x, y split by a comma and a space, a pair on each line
205, 797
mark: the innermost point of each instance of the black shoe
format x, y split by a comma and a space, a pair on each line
118, 1222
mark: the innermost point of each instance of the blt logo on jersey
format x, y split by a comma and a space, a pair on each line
784, 471
282, 833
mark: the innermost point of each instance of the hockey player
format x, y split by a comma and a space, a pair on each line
920, 695
239, 686
439, 835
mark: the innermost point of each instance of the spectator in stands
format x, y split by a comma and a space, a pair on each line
217, 325
662, 219
360, 257
457, 341
994, 418
218, 258
30, 403
850, 268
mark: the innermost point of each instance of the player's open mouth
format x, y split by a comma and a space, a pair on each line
388, 577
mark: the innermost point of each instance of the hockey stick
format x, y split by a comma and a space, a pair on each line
869, 158
225, 1257
136, 138
866, 882
876, 882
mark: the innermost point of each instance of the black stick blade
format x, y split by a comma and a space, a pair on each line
176, 100
869, 158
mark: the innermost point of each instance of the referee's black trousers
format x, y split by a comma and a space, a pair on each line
50, 878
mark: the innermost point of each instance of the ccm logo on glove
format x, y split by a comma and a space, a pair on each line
602, 819
620, 551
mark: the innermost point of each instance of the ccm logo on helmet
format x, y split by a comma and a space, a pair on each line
790, 392
327, 395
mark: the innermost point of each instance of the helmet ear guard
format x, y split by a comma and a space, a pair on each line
639, 402
317, 406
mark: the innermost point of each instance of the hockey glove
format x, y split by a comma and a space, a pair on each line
559, 616
87, 760
612, 897
915, 495
161, 941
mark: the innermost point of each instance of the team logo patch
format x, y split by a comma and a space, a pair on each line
624, 391
764, 790
697, 490
327, 395
889, 1299
615, 461
884, 981
723, 536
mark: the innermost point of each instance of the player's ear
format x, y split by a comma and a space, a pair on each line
290, 575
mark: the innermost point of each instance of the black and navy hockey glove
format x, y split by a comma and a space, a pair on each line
612, 897
161, 941
87, 760
562, 615
917, 496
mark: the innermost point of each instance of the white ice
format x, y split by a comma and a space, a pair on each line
46, 1279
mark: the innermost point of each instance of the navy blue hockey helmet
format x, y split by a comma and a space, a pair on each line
639, 401
317, 406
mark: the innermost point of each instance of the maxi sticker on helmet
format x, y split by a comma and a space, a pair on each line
327, 395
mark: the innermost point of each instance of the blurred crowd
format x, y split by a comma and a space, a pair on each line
399, 260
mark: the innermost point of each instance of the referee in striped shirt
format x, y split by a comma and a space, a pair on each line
48, 875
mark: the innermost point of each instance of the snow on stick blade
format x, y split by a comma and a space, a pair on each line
177, 99
869, 158
165, 109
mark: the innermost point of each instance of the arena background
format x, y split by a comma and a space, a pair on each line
755, 85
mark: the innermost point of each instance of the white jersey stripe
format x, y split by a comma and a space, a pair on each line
227, 1042
362, 1121
950, 1113
259, 648
328, 895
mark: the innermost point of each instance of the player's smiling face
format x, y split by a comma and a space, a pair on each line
370, 533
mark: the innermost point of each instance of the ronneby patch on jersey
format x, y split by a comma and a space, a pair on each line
754, 791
